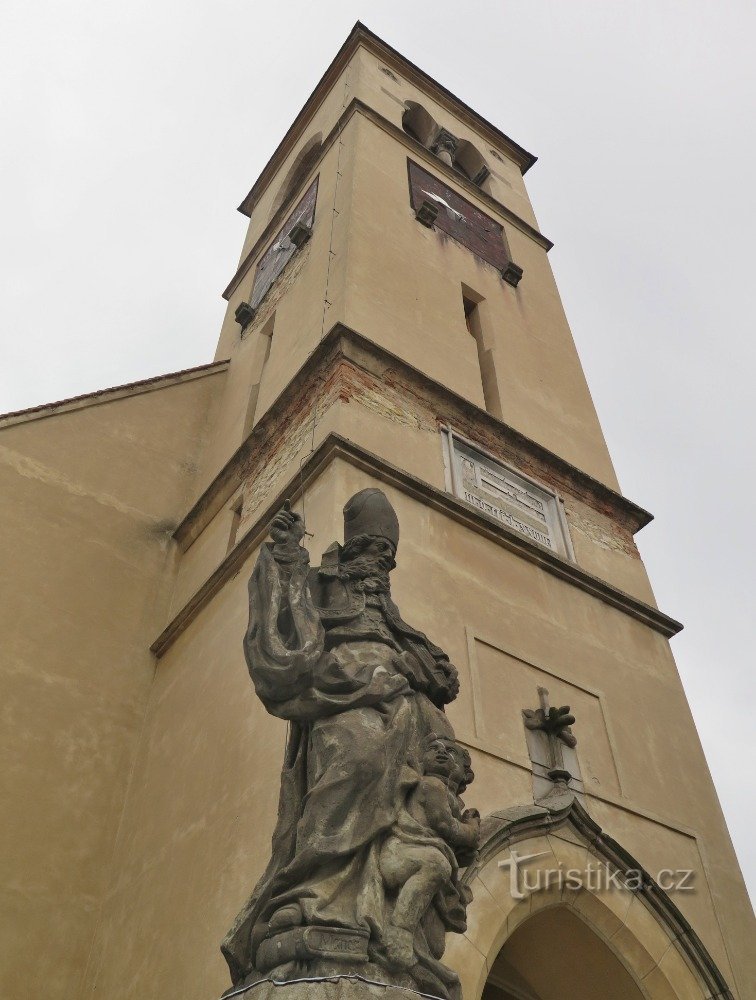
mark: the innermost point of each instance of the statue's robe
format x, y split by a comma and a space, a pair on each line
361, 690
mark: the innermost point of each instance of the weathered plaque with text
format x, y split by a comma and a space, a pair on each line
506, 495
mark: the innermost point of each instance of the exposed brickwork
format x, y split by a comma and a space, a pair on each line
290, 433
599, 528
383, 396
399, 397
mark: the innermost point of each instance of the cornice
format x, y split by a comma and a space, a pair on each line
342, 342
362, 36
436, 164
513, 150
337, 447
356, 106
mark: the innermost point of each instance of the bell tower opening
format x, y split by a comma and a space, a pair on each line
554, 955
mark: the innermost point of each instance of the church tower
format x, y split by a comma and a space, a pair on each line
393, 323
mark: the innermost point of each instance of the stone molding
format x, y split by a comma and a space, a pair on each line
343, 987
337, 447
342, 343
356, 106
362, 36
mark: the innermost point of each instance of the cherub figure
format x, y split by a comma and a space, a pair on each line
434, 836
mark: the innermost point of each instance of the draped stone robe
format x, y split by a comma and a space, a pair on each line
362, 690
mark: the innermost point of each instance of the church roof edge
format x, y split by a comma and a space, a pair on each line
110, 393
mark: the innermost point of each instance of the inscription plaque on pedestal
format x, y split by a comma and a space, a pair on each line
506, 495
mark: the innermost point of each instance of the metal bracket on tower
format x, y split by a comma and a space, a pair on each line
300, 234
427, 214
512, 274
244, 314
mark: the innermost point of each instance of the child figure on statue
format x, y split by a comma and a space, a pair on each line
433, 837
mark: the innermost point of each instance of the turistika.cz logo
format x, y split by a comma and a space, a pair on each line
595, 878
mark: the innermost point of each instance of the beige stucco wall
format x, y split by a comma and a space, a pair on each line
321, 122
398, 421
186, 859
89, 498
303, 305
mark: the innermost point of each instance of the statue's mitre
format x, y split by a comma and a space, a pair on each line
370, 513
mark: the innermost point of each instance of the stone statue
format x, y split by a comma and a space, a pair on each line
371, 831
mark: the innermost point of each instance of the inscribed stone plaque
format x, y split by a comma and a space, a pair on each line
509, 497
458, 218
282, 249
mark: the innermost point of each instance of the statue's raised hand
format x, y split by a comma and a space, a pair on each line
287, 531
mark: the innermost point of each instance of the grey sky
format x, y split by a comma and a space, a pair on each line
131, 131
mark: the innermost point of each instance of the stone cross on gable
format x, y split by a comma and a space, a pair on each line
556, 724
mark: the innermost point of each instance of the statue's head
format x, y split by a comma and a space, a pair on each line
371, 535
370, 513
446, 759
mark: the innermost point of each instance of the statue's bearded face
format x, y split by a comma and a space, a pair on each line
367, 556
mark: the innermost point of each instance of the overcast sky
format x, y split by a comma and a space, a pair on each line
131, 131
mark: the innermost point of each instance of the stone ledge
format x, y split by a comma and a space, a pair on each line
344, 344
335, 446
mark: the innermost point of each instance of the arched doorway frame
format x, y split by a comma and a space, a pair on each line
639, 924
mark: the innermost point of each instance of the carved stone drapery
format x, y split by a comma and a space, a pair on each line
364, 876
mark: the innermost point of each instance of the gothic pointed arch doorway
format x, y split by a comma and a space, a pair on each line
546, 935
554, 955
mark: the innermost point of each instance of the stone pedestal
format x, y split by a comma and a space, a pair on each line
338, 988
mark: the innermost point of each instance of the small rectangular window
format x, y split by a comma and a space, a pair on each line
470, 307
236, 515
470, 304
262, 353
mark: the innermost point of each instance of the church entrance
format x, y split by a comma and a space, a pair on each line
554, 955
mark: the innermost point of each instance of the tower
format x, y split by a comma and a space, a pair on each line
393, 323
